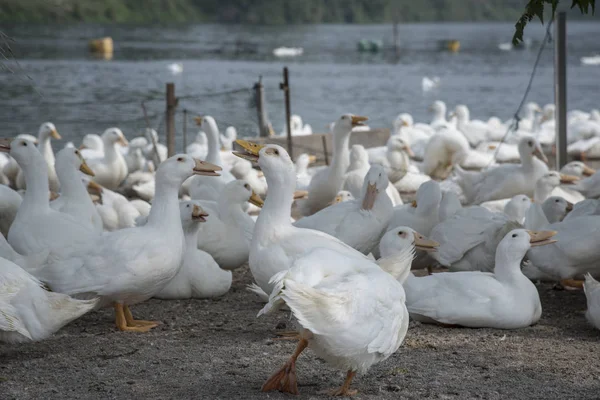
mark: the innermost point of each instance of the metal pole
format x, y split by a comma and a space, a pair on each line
560, 89
184, 130
324, 140
263, 126
171, 104
285, 86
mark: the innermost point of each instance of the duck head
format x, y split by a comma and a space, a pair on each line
239, 191
48, 130
556, 208
113, 136
396, 143
517, 242
92, 141
191, 214
348, 121
402, 237
375, 183
181, 166
71, 158
577, 168
23, 151
529, 146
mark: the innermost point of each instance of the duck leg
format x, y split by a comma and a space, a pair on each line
137, 322
284, 379
345, 390
121, 321
287, 335
572, 283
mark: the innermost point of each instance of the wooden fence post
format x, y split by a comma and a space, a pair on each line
285, 86
170, 125
184, 130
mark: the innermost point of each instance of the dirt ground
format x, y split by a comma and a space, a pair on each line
217, 349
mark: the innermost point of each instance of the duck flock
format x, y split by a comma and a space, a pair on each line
114, 223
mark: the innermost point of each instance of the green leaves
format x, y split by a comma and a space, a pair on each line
535, 8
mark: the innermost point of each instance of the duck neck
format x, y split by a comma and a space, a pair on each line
214, 148
71, 185
111, 153
276, 212
507, 268
541, 192
45, 147
341, 156
165, 206
36, 180
527, 161
231, 211
190, 231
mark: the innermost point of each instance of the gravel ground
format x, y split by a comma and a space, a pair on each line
217, 349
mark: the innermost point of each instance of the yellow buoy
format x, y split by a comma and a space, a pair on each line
102, 47
454, 46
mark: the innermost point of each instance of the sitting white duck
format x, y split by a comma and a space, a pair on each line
425, 215
476, 131
129, 266
199, 276
447, 148
29, 311
92, 146
504, 299
359, 223
242, 169
74, 198
506, 181
110, 170
227, 234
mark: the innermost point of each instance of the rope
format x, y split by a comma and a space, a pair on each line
514, 126
209, 94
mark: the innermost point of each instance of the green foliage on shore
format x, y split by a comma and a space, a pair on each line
259, 11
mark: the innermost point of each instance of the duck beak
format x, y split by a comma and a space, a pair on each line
198, 121
422, 243
568, 178
541, 238
538, 152
83, 146
96, 199
357, 120
53, 195
122, 141
492, 147
94, 188
588, 171
250, 151
55, 135
256, 200
312, 159
206, 168
300, 194
337, 199
404, 123
370, 197
198, 214
86, 168
569, 206
409, 151
5, 145
413, 204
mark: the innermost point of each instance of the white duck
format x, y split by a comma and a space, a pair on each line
115, 210
517, 207
110, 170
342, 196
506, 181
10, 201
474, 130
227, 234
397, 159
438, 108
74, 198
303, 178
327, 182
47, 131
161, 152
199, 276
202, 188
276, 243
504, 299
351, 312
359, 223
591, 288
29, 312
28, 263
36, 226
92, 146
131, 265
425, 215
242, 169
358, 169
199, 147
446, 148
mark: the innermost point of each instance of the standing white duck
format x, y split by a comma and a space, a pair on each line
504, 299
129, 266
202, 188
74, 198
36, 226
359, 223
351, 312
327, 182
227, 234
276, 243
47, 131
506, 181
28, 311
199, 276
110, 170
591, 288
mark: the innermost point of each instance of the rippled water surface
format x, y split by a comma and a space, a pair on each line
57, 80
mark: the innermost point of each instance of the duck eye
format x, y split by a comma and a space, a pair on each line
24, 143
530, 143
556, 201
180, 159
188, 206
276, 151
400, 233
247, 186
514, 235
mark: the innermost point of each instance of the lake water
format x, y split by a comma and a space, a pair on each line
57, 80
